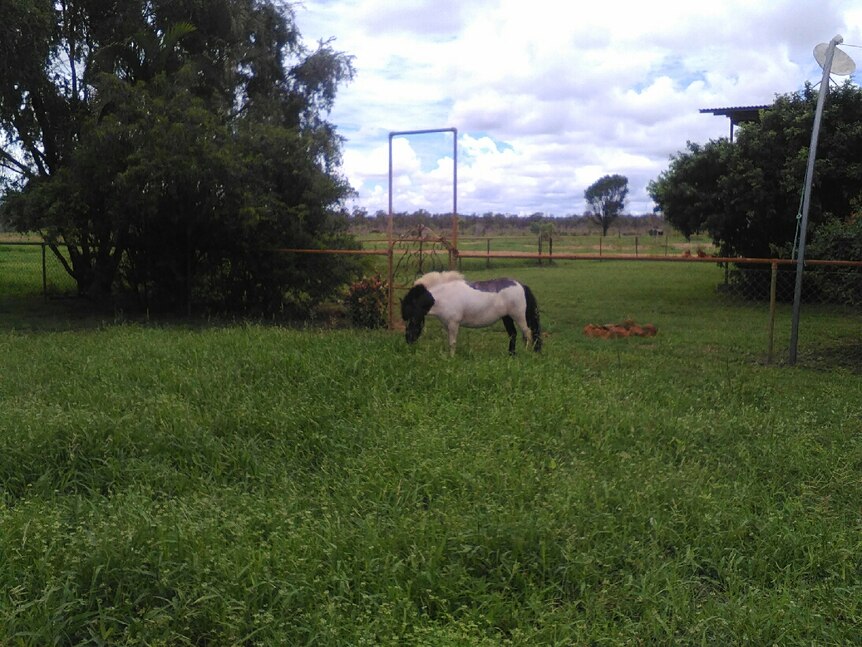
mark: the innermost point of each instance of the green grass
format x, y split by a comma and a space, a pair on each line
21, 275
232, 485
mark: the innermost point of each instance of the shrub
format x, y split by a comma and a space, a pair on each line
367, 302
838, 241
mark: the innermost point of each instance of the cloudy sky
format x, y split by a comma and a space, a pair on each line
549, 96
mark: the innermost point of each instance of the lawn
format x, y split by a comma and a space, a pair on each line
179, 484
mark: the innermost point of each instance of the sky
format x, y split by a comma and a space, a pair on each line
548, 96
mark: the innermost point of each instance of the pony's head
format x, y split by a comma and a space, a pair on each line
414, 306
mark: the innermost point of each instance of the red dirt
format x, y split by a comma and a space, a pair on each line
628, 328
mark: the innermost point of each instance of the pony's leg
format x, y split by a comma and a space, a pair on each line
452, 328
513, 333
525, 329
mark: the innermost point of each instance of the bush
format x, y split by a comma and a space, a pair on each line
367, 302
838, 241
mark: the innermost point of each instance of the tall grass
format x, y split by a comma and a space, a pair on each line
170, 485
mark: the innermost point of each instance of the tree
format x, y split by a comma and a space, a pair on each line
686, 193
168, 147
747, 194
606, 198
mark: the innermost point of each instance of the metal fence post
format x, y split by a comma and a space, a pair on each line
44, 275
390, 279
773, 288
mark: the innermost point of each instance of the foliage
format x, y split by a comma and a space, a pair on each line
606, 197
367, 302
543, 229
186, 144
747, 194
839, 241
494, 224
686, 193
256, 485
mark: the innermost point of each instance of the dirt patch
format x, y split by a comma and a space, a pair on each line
627, 328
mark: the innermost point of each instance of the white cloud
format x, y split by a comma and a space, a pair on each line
548, 96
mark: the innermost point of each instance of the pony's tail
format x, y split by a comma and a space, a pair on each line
533, 318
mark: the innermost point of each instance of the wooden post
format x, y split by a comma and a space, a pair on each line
488, 257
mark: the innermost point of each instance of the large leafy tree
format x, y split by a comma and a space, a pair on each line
606, 198
689, 192
747, 195
170, 146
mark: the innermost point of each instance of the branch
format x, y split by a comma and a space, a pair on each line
29, 145
8, 161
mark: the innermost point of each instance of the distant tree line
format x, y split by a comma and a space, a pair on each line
605, 200
497, 223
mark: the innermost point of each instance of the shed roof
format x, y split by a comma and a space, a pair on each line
738, 114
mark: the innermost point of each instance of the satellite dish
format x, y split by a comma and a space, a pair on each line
842, 64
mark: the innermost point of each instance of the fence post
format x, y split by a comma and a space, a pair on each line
488, 256
44, 275
636, 245
420, 255
390, 280
773, 284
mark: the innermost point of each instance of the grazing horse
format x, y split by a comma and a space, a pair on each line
457, 302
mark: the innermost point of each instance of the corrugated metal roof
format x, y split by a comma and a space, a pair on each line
736, 109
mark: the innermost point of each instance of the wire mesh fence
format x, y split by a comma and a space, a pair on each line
823, 284
655, 244
759, 293
29, 269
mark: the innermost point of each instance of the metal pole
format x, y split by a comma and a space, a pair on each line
389, 219
806, 202
453, 252
390, 273
773, 288
454, 197
44, 275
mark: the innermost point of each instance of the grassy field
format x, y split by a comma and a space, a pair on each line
21, 275
250, 484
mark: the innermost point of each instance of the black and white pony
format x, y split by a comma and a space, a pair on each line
457, 302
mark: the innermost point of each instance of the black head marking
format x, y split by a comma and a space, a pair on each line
414, 306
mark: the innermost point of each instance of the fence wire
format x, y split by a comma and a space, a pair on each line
30, 270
